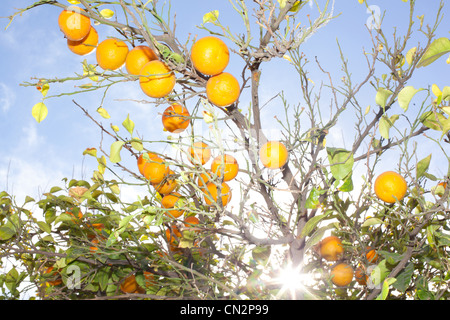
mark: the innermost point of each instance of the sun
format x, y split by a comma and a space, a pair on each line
292, 280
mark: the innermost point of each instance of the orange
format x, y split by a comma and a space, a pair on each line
273, 154
226, 166
173, 235
390, 186
199, 152
73, 24
157, 79
137, 58
330, 248
341, 274
75, 218
167, 185
360, 276
223, 89
54, 274
175, 118
191, 221
95, 242
141, 161
203, 179
210, 55
156, 170
371, 255
444, 185
129, 285
111, 54
170, 201
212, 191
86, 45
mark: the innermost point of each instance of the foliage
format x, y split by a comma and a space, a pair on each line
94, 239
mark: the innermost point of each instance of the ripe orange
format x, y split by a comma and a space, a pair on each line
156, 170
371, 255
212, 191
141, 161
360, 276
137, 58
170, 201
390, 186
191, 221
73, 24
330, 248
341, 274
54, 274
223, 89
203, 179
273, 154
175, 118
226, 165
210, 55
79, 216
111, 54
157, 79
167, 185
444, 185
199, 152
129, 285
173, 235
95, 242
86, 45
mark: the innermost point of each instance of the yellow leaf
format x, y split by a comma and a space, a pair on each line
288, 58
103, 113
437, 92
208, 116
73, 1
39, 111
410, 55
115, 128
361, 1
107, 13
296, 6
448, 60
211, 16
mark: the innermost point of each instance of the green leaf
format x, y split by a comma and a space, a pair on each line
311, 224
446, 94
404, 278
39, 111
114, 155
341, 162
405, 96
347, 186
437, 48
382, 96
422, 166
385, 289
313, 199
261, 254
378, 273
211, 16
386, 124
44, 226
6, 233
137, 145
434, 121
128, 124
371, 222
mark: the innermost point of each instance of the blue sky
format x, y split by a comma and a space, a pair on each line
35, 157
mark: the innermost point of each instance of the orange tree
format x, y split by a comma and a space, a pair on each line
258, 222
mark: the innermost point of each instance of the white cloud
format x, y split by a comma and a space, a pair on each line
7, 97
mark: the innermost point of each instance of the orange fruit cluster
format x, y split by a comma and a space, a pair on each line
210, 56
331, 249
